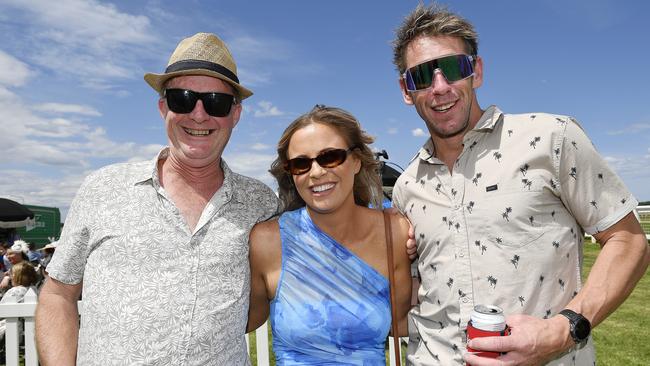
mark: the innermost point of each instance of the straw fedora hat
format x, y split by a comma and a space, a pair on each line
201, 54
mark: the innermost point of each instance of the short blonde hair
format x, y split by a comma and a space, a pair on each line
23, 274
433, 20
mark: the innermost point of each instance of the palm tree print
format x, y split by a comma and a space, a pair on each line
434, 268
498, 240
478, 244
492, 281
497, 156
422, 182
453, 192
470, 206
560, 121
541, 279
556, 244
483, 249
521, 300
438, 186
574, 172
457, 226
561, 283
524, 169
509, 133
532, 116
444, 219
506, 214
534, 142
473, 145
575, 145
557, 152
600, 176
527, 183
450, 282
548, 314
515, 261
532, 220
623, 201
411, 209
476, 178
552, 183
594, 203
424, 208
442, 326
461, 294
553, 215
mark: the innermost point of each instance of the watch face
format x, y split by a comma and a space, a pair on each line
582, 329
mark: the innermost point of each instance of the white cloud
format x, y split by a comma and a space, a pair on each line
67, 108
392, 131
631, 129
87, 39
267, 109
253, 165
13, 72
418, 132
260, 146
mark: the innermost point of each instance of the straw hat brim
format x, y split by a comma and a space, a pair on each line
156, 81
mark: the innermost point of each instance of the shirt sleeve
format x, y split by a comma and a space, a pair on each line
594, 194
69, 260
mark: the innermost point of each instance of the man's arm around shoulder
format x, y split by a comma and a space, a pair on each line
57, 323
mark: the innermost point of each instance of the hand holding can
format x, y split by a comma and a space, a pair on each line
486, 321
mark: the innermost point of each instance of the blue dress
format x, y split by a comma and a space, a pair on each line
330, 307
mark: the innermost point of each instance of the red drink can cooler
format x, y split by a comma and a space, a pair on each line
486, 321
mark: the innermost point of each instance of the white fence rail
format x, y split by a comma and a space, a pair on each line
14, 313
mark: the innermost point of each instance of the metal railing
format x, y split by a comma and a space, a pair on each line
15, 312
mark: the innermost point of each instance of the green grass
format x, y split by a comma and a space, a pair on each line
623, 339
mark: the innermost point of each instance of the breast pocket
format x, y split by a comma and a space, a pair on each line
510, 218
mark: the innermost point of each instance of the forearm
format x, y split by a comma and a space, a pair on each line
57, 330
620, 265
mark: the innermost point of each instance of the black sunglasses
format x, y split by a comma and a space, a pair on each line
326, 159
453, 68
183, 101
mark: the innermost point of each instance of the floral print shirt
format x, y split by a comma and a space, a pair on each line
154, 292
505, 227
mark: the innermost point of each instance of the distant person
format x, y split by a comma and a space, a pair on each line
321, 268
499, 203
32, 254
23, 277
160, 248
17, 253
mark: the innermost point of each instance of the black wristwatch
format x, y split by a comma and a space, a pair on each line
580, 328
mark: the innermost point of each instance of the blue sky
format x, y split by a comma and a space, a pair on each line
72, 97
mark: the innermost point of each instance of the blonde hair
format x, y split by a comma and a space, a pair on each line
367, 186
432, 20
23, 274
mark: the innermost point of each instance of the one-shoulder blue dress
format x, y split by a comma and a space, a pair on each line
330, 307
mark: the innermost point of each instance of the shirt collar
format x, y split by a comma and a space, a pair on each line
488, 121
149, 174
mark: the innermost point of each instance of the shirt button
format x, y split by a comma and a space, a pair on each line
461, 254
465, 300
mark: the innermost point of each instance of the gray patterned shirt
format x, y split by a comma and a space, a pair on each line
155, 293
505, 227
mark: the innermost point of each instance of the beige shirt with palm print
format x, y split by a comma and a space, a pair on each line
505, 227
